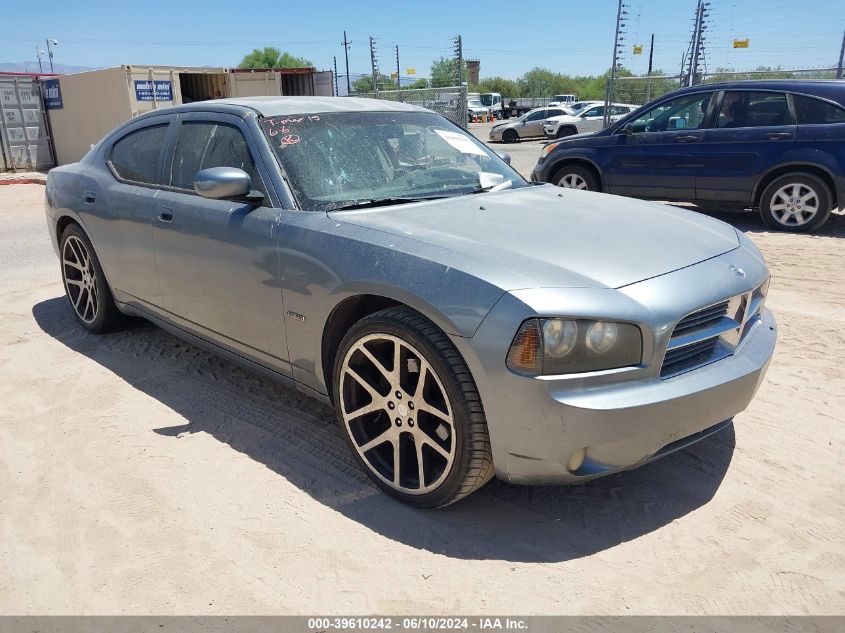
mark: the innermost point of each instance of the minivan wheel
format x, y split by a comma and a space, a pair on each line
510, 136
799, 202
575, 177
85, 284
410, 409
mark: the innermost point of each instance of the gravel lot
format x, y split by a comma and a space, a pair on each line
139, 475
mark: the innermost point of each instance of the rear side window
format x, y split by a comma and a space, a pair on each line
202, 145
554, 112
135, 157
753, 109
811, 111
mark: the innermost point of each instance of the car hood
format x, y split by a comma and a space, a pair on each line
545, 236
564, 118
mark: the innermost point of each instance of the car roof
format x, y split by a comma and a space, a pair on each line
827, 88
282, 106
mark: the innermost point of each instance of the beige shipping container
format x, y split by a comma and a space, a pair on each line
95, 102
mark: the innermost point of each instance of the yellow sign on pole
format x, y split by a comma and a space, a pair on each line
410, 71
638, 49
741, 43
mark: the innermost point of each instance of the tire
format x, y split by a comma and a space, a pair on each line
443, 421
799, 202
563, 132
510, 136
576, 177
85, 284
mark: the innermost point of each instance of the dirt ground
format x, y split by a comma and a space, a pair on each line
141, 475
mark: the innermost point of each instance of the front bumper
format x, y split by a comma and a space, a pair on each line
496, 134
622, 418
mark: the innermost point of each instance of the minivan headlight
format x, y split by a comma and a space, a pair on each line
547, 150
569, 346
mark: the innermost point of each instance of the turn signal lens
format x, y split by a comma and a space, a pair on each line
547, 149
525, 355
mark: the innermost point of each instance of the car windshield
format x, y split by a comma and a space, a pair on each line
487, 99
348, 159
474, 103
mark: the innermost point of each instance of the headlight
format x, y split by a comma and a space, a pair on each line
569, 346
547, 150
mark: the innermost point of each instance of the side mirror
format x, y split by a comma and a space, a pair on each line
226, 183
504, 156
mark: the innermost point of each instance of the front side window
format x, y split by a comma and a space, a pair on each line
682, 113
342, 159
597, 111
815, 111
753, 109
206, 144
136, 156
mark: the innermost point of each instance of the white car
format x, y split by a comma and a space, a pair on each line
588, 119
475, 108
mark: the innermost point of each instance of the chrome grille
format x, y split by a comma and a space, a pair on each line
712, 333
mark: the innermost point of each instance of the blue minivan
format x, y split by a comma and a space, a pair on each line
774, 146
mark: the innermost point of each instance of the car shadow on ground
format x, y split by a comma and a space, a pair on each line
750, 222
299, 439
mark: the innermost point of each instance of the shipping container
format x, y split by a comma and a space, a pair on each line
24, 137
90, 104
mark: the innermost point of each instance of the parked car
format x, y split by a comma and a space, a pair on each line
774, 146
588, 119
529, 125
379, 258
559, 100
476, 109
575, 106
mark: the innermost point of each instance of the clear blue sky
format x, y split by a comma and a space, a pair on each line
508, 37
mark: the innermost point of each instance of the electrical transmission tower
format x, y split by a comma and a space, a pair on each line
377, 83
459, 58
618, 47
695, 53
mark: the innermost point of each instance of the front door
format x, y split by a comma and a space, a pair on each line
658, 158
753, 132
218, 261
592, 120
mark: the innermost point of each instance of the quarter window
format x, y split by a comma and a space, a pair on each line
814, 111
202, 145
753, 109
136, 156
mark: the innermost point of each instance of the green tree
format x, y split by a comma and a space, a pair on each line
508, 88
365, 84
419, 83
444, 72
271, 57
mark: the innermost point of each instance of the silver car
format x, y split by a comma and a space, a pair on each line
463, 323
529, 125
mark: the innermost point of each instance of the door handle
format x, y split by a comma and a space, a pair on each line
89, 197
779, 136
685, 138
166, 214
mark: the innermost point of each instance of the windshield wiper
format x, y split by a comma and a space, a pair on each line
502, 185
382, 202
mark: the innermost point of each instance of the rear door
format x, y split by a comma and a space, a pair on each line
821, 125
753, 132
657, 158
218, 260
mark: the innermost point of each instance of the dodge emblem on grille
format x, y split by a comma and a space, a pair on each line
739, 272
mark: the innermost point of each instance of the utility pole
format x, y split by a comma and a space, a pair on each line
459, 57
334, 64
650, 62
618, 38
697, 44
41, 68
840, 71
398, 74
374, 64
50, 52
346, 52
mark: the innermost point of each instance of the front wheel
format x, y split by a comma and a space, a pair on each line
510, 136
576, 177
566, 131
410, 409
799, 202
85, 284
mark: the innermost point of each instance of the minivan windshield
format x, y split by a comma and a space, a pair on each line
342, 160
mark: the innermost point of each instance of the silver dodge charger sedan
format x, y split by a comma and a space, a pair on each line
463, 322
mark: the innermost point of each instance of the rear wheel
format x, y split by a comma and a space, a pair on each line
510, 136
799, 202
410, 409
576, 177
85, 284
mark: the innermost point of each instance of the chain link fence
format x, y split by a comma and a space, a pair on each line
641, 90
451, 101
